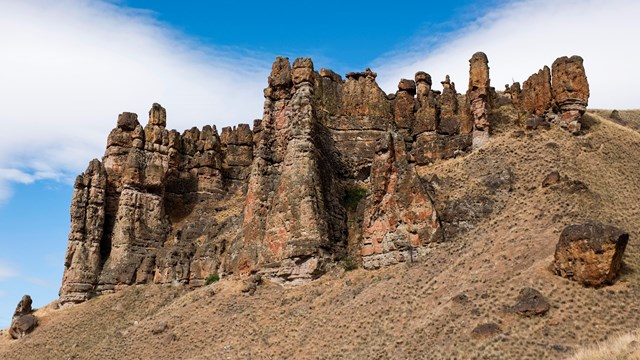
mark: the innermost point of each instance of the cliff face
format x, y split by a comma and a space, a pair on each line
328, 173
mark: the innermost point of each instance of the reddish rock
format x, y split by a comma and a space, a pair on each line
427, 112
449, 123
478, 99
590, 253
302, 70
281, 226
570, 90
552, 178
399, 217
535, 96
404, 105
361, 95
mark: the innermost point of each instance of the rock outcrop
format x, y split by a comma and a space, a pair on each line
560, 93
535, 96
531, 303
570, 91
274, 200
400, 217
479, 98
590, 253
23, 321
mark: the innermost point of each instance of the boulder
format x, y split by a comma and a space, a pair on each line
486, 330
531, 302
23, 321
590, 253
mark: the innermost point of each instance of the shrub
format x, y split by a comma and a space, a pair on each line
353, 196
212, 278
349, 264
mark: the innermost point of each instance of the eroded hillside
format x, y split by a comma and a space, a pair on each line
502, 227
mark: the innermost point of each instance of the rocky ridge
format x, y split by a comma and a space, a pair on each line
328, 173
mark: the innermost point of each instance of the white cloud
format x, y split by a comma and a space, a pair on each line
7, 271
69, 67
521, 37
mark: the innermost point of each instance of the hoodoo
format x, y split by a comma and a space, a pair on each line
329, 172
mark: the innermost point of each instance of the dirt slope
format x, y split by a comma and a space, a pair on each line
422, 310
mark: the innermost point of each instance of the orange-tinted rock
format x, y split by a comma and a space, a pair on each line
449, 123
399, 217
427, 112
535, 96
570, 90
590, 253
404, 105
479, 98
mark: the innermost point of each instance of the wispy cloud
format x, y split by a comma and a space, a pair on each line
42, 283
521, 36
69, 67
7, 271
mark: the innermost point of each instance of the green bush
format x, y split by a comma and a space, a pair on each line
353, 196
212, 278
349, 264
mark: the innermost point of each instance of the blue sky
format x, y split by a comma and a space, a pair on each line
70, 66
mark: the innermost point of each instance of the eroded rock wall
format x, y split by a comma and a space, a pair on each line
328, 173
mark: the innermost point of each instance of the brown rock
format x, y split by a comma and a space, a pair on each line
399, 216
280, 80
427, 112
570, 90
486, 330
531, 302
128, 121
449, 123
404, 108
284, 227
302, 70
22, 326
23, 322
478, 99
361, 96
590, 253
551, 179
157, 115
535, 96
24, 307
408, 86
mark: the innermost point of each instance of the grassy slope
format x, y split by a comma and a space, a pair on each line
405, 311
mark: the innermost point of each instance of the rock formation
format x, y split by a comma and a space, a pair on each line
23, 321
561, 93
479, 98
535, 96
399, 215
530, 303
590, 253
570, 91
274, 200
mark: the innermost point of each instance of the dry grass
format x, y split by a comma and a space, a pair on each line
621, 347
628, 118
406, 311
